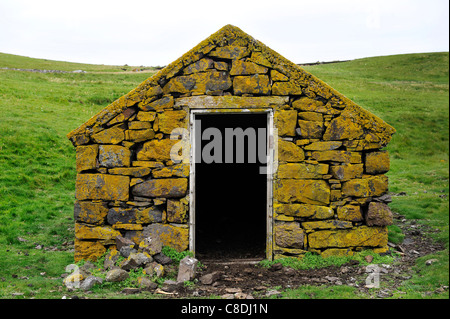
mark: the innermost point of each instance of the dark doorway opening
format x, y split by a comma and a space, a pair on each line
230, 198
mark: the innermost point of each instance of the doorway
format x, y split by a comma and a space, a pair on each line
230, 185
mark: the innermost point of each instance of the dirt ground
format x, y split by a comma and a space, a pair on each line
246, 281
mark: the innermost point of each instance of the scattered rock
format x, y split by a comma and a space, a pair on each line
90, 281
151, 245
209, 279
162, 259
369, 258
187, 269
146, 284
116, 275
125, 251
276, 267
430, 261
123, 242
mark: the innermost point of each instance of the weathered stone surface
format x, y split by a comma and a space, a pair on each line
377, 162
347, 171
139, 125
310, 129
289, 152
289, 235
164, 103
307, 104
170, 120
168, 188
327, 224
113, 135
102, 187
156, 150
365, 187
86, 157
304, 210
199, 66
176, 212
151, 245
146, 116
323, 146
202, 82
379, 214
302, 170
176, 237
278, 76
229, 52
343, 127
114, 156
350, 212
116, 275
88, 250
130, 171
285, 121
307, 191
90, 212
179, 170
336, 156
231, 102
311, 116
251, 84
187, 269
149, 164
85, 232
239, 67
122, 242
149, 215
360, 237
121, 215
146, 284
90, 282
139, 135
122, 117
286, 88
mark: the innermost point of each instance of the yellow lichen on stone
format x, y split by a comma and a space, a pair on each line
102, 187
307, 191
359, 237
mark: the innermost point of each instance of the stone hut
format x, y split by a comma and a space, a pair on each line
175, 158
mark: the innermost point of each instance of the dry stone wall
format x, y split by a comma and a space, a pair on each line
330, 187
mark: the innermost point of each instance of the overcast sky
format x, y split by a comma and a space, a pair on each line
150, 33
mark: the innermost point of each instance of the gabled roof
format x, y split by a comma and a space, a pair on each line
352, 117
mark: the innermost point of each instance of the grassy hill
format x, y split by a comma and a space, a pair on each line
37, 162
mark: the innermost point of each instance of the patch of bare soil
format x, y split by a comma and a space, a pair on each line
247, 281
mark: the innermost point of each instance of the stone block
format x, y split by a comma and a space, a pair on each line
379, 214
176, 212
86, 157
168, 188
176, 237
304, 210
327, 224
251, 84
156, 150
376, 162
311, 116
88, 250
309, 191
239, 67
310, 129
139, 135
170, 120
102, 187
307, 104
114, 156
199, 66
90, 212
286, 88
179, 170
302, 170
343, 128
202, 82
323, 146
365, 187
130, 171
350, 212
113, 135
146, 116
230, 52
347, 171
289, 152
278, 76
336, 156
105, 233
359, 237
285, 121
289, 235
149, 215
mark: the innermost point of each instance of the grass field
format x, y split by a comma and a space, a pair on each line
37, 162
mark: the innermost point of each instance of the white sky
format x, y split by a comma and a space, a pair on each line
150, 33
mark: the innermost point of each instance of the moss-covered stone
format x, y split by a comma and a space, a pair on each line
113, 135
173, 236
304, 210
199, 66
176, 212
289, 235
251, 84
239, 67
86, 157
377, 162
302, 170
167, 188
286, 88
102, 187
170, 120
114, 156
88, 250
336, 156
307, 191
202, 82
139, 135
159, 105
307, 104
310, 129
327, 224
347, 171
343, 128
90, 212
365, 187
156, 150
359, 237
285, 121
230, 52
84, 232
350, 212
289, 152
379, 214
323, 146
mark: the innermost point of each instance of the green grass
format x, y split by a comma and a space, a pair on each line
37, 162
